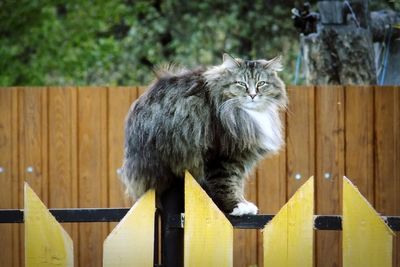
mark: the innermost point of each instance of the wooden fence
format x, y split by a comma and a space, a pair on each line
67, 144
288, 239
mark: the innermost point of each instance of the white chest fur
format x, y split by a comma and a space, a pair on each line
269, 123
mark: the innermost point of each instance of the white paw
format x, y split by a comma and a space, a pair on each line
244, 208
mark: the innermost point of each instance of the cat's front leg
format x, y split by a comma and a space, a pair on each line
227, 190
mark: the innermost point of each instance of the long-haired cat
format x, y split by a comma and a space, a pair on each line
217, 123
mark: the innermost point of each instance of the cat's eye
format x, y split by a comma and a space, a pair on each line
243, 84
261, 84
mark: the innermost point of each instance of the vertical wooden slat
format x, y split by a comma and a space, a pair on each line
359, 125
245, 241
119, 101
329, 130
271, 187
289, 237
33, 140
9, 234
62, 154
46, 242
17, 229
208, 235
300, 140
6, 234
387, 155
131, 243
367, 240
92, 169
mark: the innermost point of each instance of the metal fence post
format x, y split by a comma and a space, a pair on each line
172, 205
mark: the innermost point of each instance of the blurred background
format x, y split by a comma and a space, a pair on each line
50, 42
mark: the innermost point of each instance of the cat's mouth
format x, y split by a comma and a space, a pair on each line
253, 104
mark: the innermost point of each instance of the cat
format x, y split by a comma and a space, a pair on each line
217, 123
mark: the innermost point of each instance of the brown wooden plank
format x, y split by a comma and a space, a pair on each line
119, 101
300, 137
9, 234
329, 129
359, 125
387, 155
300, 141
33, 145
62, 154
33, 140
271, 188
92, 170
17, 229
245, 241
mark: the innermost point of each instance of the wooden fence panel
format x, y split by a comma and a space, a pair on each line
33, 138
367, 240
208, 235
62, 133
46, 243
118, 101
300, 137
92, 170
289, 237
9, 197
329, 131
131, 243
356, 132
359, 125
387, 155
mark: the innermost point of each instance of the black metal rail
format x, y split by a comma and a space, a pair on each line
321, 222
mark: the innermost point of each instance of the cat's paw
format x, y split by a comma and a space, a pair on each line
244, 208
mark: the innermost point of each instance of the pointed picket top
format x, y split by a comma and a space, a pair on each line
367, 240
208, 233
131, 243
46, 242
289, 236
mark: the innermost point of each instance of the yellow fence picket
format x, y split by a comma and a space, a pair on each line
131, 243
208, 233
289, 237
367, 240
46, 242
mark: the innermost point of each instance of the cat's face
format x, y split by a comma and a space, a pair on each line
251, 85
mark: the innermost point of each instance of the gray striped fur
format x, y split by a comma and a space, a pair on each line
198, 120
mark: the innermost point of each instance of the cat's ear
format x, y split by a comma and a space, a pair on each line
274, 64
229, 62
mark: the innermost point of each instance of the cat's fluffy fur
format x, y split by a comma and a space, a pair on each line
216, 122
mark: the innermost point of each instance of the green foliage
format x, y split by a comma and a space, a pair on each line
119, 42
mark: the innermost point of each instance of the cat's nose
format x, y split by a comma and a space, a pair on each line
252, 96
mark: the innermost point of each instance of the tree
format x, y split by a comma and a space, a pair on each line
47, 42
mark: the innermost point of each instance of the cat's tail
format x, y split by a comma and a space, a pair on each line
169, 69
134, 186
